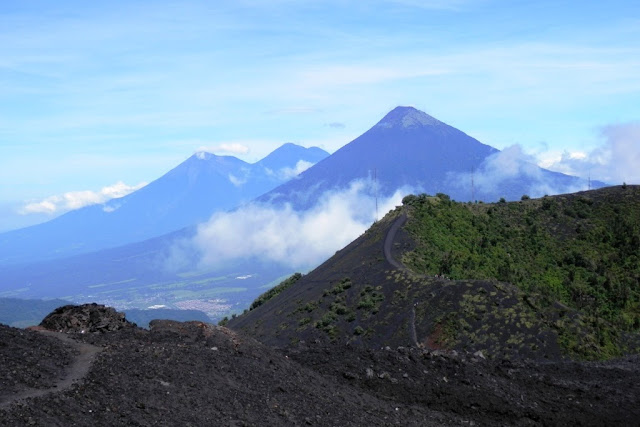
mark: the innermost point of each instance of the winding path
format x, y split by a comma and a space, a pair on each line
388, 242
78, 369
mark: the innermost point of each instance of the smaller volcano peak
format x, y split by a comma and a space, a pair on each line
407, 117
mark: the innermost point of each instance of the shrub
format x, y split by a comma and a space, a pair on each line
339, 288
275, 290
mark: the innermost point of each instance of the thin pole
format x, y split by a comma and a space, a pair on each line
375, 189
473, 188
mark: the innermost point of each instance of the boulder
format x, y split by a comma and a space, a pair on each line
85, 318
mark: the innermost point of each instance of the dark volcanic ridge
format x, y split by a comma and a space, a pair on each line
195, 373
564, 263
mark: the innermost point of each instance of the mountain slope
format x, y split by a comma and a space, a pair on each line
409, 148
382, 289
188, 194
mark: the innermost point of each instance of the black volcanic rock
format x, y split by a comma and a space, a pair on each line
29, 360
200, 374
86, 318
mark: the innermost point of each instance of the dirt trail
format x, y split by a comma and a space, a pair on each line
388, 241
77, 370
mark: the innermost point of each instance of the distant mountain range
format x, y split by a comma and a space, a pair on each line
188, 194
407, 150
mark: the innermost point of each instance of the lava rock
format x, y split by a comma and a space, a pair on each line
85, 318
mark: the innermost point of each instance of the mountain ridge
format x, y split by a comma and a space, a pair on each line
363, 296
184, 196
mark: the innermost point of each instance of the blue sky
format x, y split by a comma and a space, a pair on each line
99, 97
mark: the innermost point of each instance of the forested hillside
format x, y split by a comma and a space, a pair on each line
580, 249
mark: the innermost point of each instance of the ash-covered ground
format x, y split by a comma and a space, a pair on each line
199, 374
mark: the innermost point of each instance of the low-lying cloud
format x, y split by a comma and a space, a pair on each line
292, 238
78, 199
615, 161
512, 163
285, 174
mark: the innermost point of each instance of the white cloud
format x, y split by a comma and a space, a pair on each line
77, 199
238, 182
288, 173
615, 161
283, 235
511, 163
225, 148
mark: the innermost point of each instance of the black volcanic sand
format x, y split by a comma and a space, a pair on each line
488, 392
198, 374
30, 360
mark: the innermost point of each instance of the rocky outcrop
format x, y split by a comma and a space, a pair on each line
85, 318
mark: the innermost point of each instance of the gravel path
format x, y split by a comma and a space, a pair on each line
77, 370
388, 241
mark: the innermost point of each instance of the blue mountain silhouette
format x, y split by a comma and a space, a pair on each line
188, 194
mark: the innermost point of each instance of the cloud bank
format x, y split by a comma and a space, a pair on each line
295, 239
615, 161
78, 199
512, 163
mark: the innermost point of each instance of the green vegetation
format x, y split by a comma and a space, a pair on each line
340, 287
275, 291
370, 299
582, 250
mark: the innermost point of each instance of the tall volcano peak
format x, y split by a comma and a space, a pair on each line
407, 117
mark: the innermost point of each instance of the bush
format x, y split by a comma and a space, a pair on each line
339, 288
275, 290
